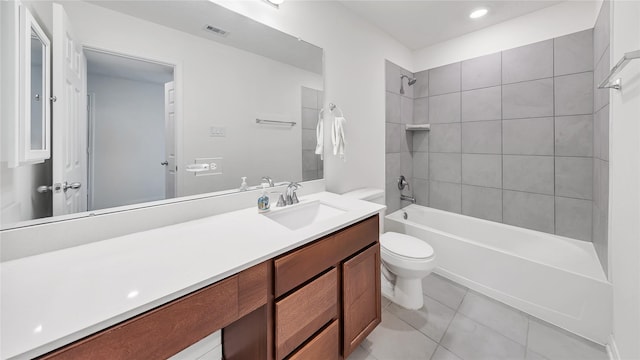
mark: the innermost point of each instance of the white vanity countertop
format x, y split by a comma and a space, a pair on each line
55, 298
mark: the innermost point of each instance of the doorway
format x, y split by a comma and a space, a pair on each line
131, 132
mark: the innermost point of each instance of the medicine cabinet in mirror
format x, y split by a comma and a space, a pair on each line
30, 119
155, 101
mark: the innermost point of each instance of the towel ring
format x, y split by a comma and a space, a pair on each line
333, 107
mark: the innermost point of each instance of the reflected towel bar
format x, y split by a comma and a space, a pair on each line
616, 84
275, 122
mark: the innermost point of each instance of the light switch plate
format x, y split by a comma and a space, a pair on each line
217, 131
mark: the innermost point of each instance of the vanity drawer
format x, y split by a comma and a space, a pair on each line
324, 346
304, 312
295, 268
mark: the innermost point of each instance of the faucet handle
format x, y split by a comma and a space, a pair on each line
402, 183
294, 185
267, 179
281, 201
292, 198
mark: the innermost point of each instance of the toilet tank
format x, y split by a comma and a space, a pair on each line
370, 194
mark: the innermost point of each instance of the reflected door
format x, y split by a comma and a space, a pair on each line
170, 139
69, 118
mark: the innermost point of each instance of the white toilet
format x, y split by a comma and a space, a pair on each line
406, 260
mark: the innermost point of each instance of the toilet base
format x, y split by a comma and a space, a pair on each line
404, 292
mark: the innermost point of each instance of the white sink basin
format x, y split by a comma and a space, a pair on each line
304, 214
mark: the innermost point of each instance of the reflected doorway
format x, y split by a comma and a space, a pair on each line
131, 133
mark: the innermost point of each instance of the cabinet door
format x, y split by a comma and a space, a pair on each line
361, 297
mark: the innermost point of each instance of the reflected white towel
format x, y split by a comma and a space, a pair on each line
338, 136
320, 137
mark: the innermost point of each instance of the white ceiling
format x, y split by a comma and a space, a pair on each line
421, 23
243, 33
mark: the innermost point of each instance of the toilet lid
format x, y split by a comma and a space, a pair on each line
405, 245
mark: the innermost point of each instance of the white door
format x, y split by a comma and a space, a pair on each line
69, 123
170, 139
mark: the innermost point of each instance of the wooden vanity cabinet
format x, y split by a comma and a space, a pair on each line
319, 301
328, 288
172, 327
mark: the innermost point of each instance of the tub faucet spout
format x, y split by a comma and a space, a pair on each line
408, 198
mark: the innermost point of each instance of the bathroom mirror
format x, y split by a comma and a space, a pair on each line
180, 98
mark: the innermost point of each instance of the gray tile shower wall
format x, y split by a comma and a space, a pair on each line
513, 137
401, 109
600, 129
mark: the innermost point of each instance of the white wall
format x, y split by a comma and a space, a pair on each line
128, 141
221, 86
558, 20
624, 230
354, 71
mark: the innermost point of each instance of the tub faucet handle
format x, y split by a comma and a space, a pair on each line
403, 183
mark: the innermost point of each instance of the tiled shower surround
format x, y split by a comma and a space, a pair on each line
511, 140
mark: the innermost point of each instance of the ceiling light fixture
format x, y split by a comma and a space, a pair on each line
478, 13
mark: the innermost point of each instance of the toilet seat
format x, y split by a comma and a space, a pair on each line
405, 246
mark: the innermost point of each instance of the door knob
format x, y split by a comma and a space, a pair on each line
55, 188
165, 163
66, 186
44, 188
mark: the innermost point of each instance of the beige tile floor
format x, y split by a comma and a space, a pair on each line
459, 324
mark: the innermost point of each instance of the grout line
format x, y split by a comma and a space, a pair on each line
428, 139
548, 77
553, 91
526, 340
528, 80
501, 139
460, 128
601, 57
542, 117
521, 155
413, 327
482, 87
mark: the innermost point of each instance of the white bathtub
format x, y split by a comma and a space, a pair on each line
551, 277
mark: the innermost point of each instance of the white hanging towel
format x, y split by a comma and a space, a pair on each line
320, 136
338, 136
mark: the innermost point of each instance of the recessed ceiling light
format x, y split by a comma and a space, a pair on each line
478, 13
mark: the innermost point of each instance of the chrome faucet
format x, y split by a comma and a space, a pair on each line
268, 180
292, 198
403, 183
408, 198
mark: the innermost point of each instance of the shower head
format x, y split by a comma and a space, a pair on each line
411, 81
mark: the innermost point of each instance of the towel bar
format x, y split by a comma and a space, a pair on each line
617, 84
275, 122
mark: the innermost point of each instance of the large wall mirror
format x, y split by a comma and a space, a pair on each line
160, 100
